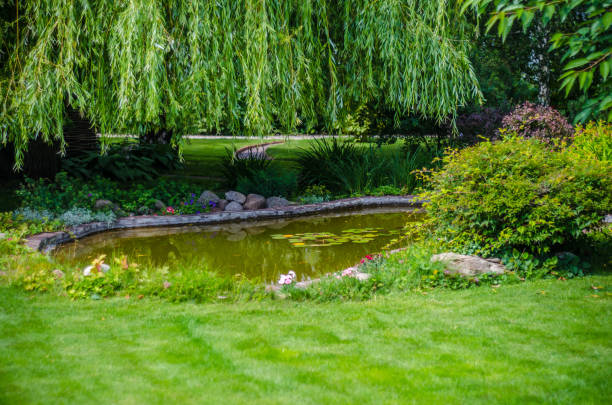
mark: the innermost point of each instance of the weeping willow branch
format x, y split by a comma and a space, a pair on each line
247, 66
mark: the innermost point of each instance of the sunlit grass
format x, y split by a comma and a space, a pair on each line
535, 342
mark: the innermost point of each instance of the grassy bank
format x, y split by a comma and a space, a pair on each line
540, 342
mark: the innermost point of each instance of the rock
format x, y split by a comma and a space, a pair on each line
144, 210
468, 265
159, 205
235, 196
58, 274
362, 276
208, 196
273, 202
89, 270
493, 260
233, 206
222, 204
254, 202
101, 204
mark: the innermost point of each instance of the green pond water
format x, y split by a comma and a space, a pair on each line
310, 246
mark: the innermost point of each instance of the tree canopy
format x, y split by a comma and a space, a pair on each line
247, 66
587, 45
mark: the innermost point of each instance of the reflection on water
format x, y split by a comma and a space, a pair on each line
310, 246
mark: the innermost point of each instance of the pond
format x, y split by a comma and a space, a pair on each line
310, 246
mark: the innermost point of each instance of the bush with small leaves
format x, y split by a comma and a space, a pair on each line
536, 121
517, 195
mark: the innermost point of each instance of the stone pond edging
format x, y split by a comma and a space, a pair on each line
49, 240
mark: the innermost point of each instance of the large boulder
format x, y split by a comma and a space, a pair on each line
273, 202
222, 204
234, 206
469, 266
254, 202
208, 196
235, 196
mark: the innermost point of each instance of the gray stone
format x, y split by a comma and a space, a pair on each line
273, 202
233, 206
235, 196
468, 266
208, 196
254, 202
159, 205
89, 270
101, 204
222, 204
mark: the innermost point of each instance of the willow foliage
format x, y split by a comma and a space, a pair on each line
247, 66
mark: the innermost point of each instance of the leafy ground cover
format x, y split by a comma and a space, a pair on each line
541, 342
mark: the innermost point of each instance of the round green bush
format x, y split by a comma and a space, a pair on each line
517, 195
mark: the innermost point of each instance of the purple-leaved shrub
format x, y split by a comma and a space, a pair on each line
536, 121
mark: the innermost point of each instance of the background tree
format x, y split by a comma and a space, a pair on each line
249, 66
587, 42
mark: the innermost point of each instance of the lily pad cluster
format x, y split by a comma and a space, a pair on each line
316, 239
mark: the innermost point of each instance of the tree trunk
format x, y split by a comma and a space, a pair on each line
542, 61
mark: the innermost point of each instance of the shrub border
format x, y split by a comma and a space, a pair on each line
49, 240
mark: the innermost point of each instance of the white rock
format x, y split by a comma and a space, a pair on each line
88, 271
468, 265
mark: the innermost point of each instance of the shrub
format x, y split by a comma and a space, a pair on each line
594, 141
269, 182
316, 162
77, 216
345, 168
516, 195
126, 161
536, 121
233, 169
474, 126
66, 192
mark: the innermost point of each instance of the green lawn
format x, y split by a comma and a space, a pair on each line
537, 342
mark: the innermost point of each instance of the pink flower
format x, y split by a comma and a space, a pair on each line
287, 278
170, 210
369, 257
362, 261
167, 285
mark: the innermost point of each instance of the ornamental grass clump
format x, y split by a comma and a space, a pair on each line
517, 195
